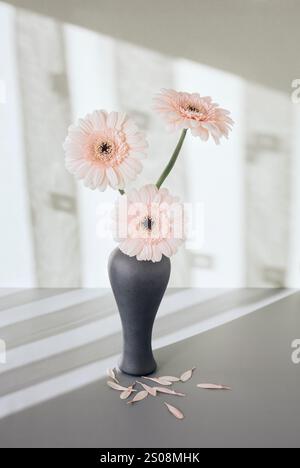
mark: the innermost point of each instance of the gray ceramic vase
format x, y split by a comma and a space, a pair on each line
138, 287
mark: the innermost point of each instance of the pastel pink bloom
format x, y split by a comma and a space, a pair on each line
105, 149
200, 114
149, 223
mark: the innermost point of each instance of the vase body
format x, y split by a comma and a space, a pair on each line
138, 287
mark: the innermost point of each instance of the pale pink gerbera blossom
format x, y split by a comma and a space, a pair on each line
189, 110
149, 223
105, 149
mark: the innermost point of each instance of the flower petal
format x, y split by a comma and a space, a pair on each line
112, 119
112, 177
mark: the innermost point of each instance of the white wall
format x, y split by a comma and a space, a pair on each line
16, 250
91, 79
215, 177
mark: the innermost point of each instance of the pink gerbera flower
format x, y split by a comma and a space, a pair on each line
149, 223
105, 149
185, 110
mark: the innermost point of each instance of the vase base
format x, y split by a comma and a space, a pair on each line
137, 372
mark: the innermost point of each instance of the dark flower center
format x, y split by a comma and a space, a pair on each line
147, 223
192, 109
105, 148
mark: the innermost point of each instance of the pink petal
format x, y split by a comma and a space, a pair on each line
104, 183
112, 119
112, 177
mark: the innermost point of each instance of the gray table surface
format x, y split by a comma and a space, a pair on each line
251, 354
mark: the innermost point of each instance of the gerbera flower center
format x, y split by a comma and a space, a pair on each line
191, 108
104, 150
147, 223
195, 112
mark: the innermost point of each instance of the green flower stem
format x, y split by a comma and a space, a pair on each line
121, 192
172, 161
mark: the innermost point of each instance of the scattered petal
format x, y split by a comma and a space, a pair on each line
116, 386
150, 390
170, 378
187, 375
158, 380
168, 391
209, 386
138, 397
112, 375
175, 411
124, 395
